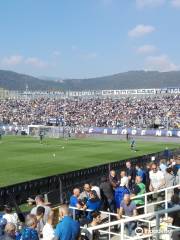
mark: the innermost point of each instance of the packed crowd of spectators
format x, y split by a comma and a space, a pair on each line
127, 111
115, 194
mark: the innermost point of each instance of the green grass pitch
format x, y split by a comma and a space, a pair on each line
24, 158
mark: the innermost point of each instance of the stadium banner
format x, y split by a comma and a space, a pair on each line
134, 132
89, 93
128, 91
56, 121
119, 92
52, 120
173, 90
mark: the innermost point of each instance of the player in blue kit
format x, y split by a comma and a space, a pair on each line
133, 144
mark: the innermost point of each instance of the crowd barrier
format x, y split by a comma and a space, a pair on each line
148, 212
154, 229
59, 187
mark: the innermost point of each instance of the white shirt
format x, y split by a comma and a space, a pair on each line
178, 177
125, 180
46, 214
97, 189
48, 232
11, 218
156, 179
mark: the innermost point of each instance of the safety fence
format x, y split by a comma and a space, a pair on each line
150, 219
153, 229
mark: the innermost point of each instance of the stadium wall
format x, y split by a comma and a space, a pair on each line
59, 187
60, 131
134, 132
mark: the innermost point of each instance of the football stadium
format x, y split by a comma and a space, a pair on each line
92, 154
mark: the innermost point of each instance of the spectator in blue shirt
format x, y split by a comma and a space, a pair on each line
67, 228
3, 223
120, 192
175, 166
167, 153
141, 173
29, 232
74, 199
74, 202
93, 203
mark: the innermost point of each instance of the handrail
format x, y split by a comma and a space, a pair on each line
89, 210
136, 197
133, 238
129, 219
158, 191
145, 195
109, 219
136, 218
140, 218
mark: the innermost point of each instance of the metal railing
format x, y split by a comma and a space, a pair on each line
140, 218
152, 233
146, 195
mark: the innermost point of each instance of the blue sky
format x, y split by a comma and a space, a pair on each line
88, 38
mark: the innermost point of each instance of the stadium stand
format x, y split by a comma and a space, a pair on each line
129, 111
131, 201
